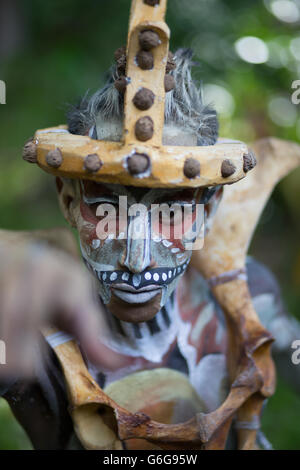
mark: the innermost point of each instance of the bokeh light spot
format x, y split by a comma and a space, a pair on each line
295, 48
252, 49
222, 100
282, 111
285, 10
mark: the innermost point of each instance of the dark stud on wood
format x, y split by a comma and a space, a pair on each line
121, 65
138, 164
92, 163
191, 168
144, 99
148, 40
121, 51
121, 83
30, 151
145, 60
152, 3
169, 83
144, 128
249, 161
54, 158
227, 168
171, 64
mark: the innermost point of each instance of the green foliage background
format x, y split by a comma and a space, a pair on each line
55, 50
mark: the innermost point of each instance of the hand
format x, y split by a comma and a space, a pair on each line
41, 286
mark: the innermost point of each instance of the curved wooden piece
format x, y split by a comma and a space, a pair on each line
227, 243
101, 423
225, 251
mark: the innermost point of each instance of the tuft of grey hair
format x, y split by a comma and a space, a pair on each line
184, 105
107, 101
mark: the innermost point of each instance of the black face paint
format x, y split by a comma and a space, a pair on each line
157, 276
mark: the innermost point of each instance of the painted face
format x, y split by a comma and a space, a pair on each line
137, 241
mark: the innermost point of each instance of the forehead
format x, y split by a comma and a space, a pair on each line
93, 189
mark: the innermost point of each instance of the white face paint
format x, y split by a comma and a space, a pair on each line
134, 273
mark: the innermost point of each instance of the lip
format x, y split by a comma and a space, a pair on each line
128, 288
135, 296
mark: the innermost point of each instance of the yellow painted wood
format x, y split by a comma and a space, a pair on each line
167, 162
143, 17
150, 79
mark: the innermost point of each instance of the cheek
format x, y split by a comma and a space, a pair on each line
87, 232
88, 214
86, 224
93, 227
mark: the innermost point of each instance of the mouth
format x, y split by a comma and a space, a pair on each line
135, 296
136, 288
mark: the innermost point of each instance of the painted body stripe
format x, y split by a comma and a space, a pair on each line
228, 276
58, 338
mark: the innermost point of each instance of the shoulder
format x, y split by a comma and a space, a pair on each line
199, 309
201, 315
265, 292
261, 279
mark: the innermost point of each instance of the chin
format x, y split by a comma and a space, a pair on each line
134, 307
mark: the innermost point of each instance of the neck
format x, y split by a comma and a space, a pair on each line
149, 340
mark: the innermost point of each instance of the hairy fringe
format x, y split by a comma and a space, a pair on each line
183, 106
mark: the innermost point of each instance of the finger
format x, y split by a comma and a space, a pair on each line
16, 329
22, 304
90, 333
81, 316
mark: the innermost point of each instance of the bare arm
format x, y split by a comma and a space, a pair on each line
42, 282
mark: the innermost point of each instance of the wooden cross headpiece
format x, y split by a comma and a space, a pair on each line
140, 159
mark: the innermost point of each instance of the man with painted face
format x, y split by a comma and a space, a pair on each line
140, 262
137, 275
138, 225
157, 312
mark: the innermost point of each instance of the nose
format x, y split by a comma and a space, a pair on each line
138, 256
